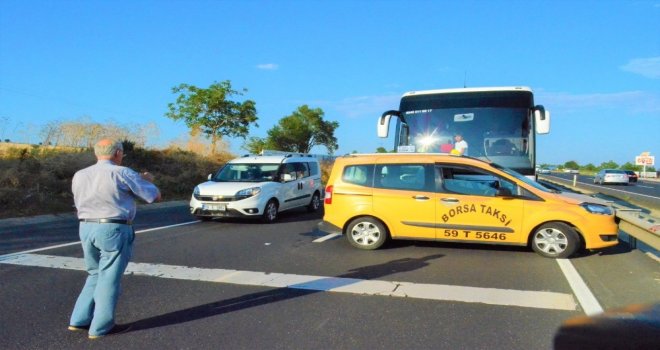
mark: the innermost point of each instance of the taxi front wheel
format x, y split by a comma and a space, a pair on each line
366, 233
555, 240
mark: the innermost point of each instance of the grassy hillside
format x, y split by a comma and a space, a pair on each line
37, 180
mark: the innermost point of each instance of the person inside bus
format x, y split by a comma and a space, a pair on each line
460, 146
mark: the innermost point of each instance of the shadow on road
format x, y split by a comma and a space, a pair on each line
280, 294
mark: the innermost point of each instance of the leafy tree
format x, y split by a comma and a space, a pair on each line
255, 145
589, 167
381, 150
609, 165
299, 132
631, 166
571, 164
212, 110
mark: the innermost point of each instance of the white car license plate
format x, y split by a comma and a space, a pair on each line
220, 207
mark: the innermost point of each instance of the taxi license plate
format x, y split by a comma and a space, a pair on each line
217, 207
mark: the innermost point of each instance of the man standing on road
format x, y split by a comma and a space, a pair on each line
104, 195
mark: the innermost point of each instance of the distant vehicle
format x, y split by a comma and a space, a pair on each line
632, 176
571, 171
611, 176
543, 171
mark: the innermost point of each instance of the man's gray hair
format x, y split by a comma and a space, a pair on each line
107, 149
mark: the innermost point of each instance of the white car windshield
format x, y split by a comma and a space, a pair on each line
247, 172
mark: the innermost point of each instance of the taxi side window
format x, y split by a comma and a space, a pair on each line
358, 174
403, 177
472, 181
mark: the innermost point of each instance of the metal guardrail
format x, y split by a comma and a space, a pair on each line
640, 227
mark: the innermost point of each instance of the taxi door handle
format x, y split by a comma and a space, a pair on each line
419, 197
450, 200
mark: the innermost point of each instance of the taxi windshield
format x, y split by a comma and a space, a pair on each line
247, 172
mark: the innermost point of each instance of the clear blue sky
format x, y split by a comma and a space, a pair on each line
594, 64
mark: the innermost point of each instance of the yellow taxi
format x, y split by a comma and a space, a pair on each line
372, 197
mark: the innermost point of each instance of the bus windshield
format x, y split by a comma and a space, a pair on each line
498, 126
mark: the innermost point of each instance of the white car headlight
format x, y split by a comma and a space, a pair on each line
196, 191
597, 208
248, 192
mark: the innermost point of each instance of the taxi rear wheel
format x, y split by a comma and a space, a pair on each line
555, 240
366, 233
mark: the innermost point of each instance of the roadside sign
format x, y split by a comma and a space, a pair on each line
645, 160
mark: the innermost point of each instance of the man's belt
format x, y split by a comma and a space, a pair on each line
108, 221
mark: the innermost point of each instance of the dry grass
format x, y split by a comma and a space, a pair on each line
37, 180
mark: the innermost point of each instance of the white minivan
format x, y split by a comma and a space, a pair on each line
260, 187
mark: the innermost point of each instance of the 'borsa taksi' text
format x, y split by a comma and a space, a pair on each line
472, 208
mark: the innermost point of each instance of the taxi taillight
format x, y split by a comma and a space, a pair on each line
328, 195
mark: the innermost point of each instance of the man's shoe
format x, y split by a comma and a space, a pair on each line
118, 328
78, 328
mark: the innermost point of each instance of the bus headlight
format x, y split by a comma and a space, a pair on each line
597, 208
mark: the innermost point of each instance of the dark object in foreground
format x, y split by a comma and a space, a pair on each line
631, 327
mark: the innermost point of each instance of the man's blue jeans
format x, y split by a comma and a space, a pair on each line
107, 249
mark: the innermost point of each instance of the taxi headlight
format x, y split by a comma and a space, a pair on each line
597, 208
248, 192
196, 191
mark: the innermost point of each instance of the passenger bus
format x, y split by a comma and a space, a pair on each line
499, 124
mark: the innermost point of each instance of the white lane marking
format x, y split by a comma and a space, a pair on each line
491, 296
644, 186
168, 226
77, 242
582, 292
326, 237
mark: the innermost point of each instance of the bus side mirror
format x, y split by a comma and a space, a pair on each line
383, 126
542, 119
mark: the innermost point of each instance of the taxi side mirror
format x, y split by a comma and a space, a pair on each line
504, 192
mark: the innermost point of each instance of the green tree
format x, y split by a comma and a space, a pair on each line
381, 150
571, 164
589, 167
212, 110
255, 145
299, 132
631, 166
609, 165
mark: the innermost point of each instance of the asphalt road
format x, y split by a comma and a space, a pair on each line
643, 192
239, 284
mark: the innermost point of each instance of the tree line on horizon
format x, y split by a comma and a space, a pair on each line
573, 165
